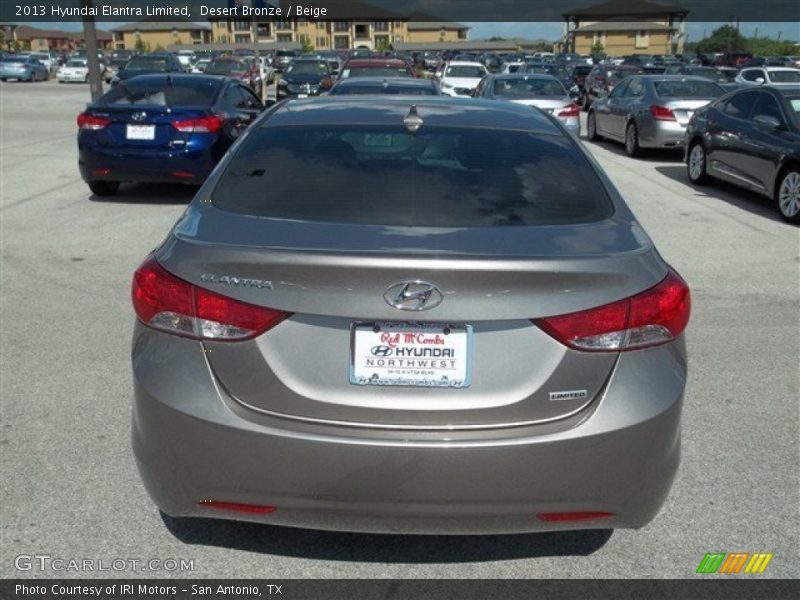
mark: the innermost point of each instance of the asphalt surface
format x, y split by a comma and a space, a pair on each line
69, 486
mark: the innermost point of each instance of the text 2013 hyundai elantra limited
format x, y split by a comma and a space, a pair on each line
397, 314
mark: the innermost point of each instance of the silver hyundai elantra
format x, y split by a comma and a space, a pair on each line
409, 314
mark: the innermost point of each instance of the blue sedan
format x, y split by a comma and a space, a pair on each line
162, 128
22, 68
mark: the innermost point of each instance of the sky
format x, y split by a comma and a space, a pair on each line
548, 31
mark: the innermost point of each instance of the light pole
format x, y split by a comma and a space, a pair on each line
90, 37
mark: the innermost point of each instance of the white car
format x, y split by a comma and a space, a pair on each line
186, 57
76, 70
778, 76
267, 70
460, 78
514, 66
200, 65
44, 58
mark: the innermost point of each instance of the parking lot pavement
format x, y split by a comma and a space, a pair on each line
69, 484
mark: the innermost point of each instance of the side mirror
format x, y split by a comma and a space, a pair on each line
767, 121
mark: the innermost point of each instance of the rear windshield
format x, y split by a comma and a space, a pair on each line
146, 63
528, 88
225, 67
785, 76
375, 72
76, 63
378, 88
465, 71
440, 177
688, 89
16, 59
307, 67
194, 94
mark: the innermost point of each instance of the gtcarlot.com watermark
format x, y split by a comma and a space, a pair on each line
58, 564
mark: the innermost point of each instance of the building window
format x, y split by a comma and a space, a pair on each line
642, 39
320, 25
362, 32
283, 26
322, 42
381, 26
341, 42
241, 25
241, 39
462, 34
341, 26
195, 34
284, 37
263, 30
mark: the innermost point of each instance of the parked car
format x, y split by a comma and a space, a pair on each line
45, 58
602, 79
242, 68
732, 59
200, 65
186, 58
542, 91
291, 366
113, 67
750, 138
557, 70
75, 71
22, 68
375, 67
706, 72
779, 76
148, 63
650, 111
305, 77
161, 128
282, 59
577, 73
406, 86
513, 66
460, 78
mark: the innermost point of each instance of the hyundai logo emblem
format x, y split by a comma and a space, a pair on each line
413, 295
139, 116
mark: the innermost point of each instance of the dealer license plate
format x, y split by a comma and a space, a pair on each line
140, 132
411, 354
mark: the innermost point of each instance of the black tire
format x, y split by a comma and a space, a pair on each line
104, 188
3, 79
632, 148
789, 206
696, 164
591, 127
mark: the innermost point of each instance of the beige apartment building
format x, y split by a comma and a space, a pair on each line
338, 35
625, 27
152, 35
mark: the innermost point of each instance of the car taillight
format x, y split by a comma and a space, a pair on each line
90, 121
208, 124
653, 317
570, 110
662, 113
164, 302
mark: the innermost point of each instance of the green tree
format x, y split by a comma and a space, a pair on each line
598, 48
139, 46
383, 45
723, 39
307, 46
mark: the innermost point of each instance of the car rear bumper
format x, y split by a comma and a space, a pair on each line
661, 134
194, 443
188, 166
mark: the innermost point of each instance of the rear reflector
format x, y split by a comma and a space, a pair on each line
253, 509
570, 110
208, 124
662, 113
164, 302
90, 121
653, 317
183, 175
573, 516
101, 171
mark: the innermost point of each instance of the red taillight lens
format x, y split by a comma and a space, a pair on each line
573, 516
90, 121
653, 317
662, 113
254, 509
162, 301
570, 110
208, 124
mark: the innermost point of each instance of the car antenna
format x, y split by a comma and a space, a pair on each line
412, 120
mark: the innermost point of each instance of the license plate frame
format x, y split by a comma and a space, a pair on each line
434, 360
145, 133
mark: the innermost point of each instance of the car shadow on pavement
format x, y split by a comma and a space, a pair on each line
363, 547
150, 193
647, 155
727, 192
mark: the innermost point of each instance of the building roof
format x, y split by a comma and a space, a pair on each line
25, 32
623, 26
435, 25
625, 8
152, 24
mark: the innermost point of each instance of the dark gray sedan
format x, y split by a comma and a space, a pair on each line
650, 111
422, 315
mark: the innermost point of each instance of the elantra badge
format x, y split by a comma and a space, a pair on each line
413, 295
